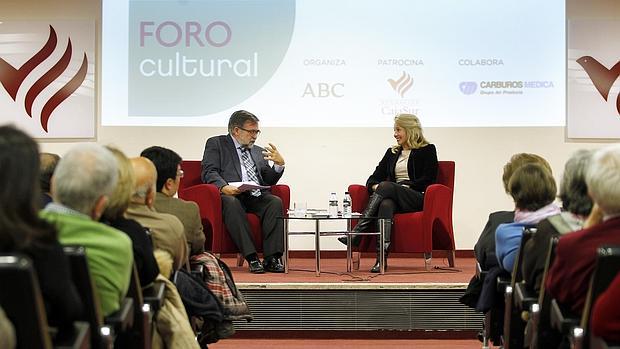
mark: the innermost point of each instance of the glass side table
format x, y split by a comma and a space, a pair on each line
318, 232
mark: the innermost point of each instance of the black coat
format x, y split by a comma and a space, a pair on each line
422, 168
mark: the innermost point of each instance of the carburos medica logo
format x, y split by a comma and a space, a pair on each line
601, 77
200, 57
12, 78
402, 84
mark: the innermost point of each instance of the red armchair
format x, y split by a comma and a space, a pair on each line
207, 196
424, 231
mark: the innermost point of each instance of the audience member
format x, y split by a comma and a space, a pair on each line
114, 215
166, 229
606, 313
533, 190
21, 229
48, 165
576, 206
569, 276
169, 174
234, 158
485, 247
82, 183
172, 323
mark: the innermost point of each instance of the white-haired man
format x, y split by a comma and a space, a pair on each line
83, 179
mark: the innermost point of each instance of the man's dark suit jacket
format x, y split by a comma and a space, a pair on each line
569, 276
221, 164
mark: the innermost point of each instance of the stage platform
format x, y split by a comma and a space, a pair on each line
407, 299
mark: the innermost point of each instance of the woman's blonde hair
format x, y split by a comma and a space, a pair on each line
118, 201
413, 129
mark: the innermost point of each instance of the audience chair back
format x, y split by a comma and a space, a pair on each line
540, 322
140, 336
22, 301
207, 196
513, 325
419, 232
102, 336
607, 267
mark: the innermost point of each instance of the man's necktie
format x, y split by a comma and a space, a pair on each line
250, 169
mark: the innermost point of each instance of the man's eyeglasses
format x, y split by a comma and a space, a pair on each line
180, 173
252, 132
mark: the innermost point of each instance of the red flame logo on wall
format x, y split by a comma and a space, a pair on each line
12, 78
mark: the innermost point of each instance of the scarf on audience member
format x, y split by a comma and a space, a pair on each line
533, 217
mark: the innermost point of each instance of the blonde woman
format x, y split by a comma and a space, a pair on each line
398, 183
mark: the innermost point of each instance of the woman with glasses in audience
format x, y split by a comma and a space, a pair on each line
22, 231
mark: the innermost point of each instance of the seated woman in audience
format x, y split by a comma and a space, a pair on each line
22, 231
606, 313
575, 256
400, 179
576, 205
485, 247
114, 216
533, 189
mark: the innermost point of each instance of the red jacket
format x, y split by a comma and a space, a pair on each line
606, 313
569, 277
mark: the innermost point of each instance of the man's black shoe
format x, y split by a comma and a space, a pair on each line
256, 267
273, 265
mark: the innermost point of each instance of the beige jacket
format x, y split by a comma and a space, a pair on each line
188, 213
166, 231
173, 328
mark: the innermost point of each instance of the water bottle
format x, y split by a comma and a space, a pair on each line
346, 205
333, 205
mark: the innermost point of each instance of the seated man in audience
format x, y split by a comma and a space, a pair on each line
169, 174
166, 229
48, 165
80, 187
569, 276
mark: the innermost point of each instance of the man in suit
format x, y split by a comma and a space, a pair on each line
169, 174
234, 158
569, 276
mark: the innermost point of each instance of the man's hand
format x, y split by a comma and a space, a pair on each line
230, 190
272, 153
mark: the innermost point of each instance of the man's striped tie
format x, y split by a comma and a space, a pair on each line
250, 169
